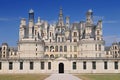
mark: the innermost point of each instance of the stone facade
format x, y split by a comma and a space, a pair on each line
62, 47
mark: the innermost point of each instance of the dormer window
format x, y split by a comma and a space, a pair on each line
75, 34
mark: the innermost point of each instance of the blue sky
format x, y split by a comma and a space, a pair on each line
12, 10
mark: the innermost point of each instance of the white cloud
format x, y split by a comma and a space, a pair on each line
8, 19
4, 19
110, 39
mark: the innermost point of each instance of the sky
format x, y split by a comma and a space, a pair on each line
11, 11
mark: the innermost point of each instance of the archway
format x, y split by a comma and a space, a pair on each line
61, 68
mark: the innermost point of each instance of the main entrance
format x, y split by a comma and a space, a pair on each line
61, 68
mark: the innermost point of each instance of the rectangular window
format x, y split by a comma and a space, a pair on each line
99, 47
75, 34
70, 48
49, 65
116, 65
42, 65
0, 65
10, 65
31, 65
58, 39
65, 48
74, 65
50, 34
105, 65
62, 39
21, 65
95, 47
93, 65
84, 65
75, 48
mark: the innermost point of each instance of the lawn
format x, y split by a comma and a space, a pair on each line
99, 76
23, 76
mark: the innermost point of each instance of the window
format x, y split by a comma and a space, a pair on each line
115, 47
65, 48
99, 47
31, 65
98, 38
58, 39
93, 65
56, 48
95, 47
74, 65
61, 49
21, 65
98, 32
50, 34
75, 40
49, 65
0, 65
75, 48
75, 34
75, 55
10, 65
116, 65
70, 48
36, 49
62, 39
3, 48
42, 65
105, 65
84, 65
35, 32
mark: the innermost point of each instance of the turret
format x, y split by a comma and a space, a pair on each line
89, 16
31, 23
61, 21
4, 50
22, 29
98, 32
67, 21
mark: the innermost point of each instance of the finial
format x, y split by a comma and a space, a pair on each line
90, 10
60, 10
31, 11
38, 19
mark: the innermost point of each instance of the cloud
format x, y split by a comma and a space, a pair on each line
4, 19
98, 17
111, 38
9, 19
111, 21
52, 21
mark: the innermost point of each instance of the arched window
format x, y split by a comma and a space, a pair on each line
51, 56
75, 34
46, 56
61, 49
115, 47
51, 48
98, 32
65, 48
56, 48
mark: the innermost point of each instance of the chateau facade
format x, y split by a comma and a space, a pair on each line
62, 47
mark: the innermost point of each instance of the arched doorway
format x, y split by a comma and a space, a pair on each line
61, 68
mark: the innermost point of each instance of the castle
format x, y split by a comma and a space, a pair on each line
62, 47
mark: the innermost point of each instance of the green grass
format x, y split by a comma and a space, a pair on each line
99, 76
23, 76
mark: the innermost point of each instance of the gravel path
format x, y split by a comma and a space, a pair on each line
62, 77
